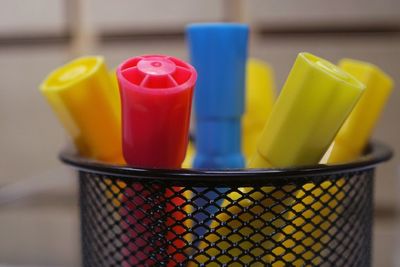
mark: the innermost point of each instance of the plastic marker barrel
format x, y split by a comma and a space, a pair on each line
156, 95
87, 104
315, 101
260, 98
218, 51
348, 145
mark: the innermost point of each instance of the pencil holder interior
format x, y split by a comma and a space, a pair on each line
318, 215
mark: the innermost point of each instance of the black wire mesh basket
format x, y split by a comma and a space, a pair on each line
320, 215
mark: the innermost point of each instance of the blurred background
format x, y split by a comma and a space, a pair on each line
39, 223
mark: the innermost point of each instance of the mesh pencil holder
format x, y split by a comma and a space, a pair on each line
320, 215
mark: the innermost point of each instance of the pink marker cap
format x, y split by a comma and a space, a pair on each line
156, 96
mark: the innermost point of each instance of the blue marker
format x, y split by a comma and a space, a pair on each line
218, 51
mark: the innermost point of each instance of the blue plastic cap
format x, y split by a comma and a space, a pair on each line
218, 51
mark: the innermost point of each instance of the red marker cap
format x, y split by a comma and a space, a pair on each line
156, 96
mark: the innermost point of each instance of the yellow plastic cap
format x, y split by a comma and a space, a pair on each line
357, 129
315, 101
87, 104
260, 97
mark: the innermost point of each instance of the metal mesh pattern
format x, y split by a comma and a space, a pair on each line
322, 220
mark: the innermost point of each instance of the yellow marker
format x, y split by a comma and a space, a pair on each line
356, 131
87, 104
190, 152
86, 101
260, 97
314, 102
187, 194
348, 145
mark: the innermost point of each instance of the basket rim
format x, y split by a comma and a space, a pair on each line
376, 153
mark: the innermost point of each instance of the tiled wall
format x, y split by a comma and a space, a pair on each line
153, 15
318, 14
28, 18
